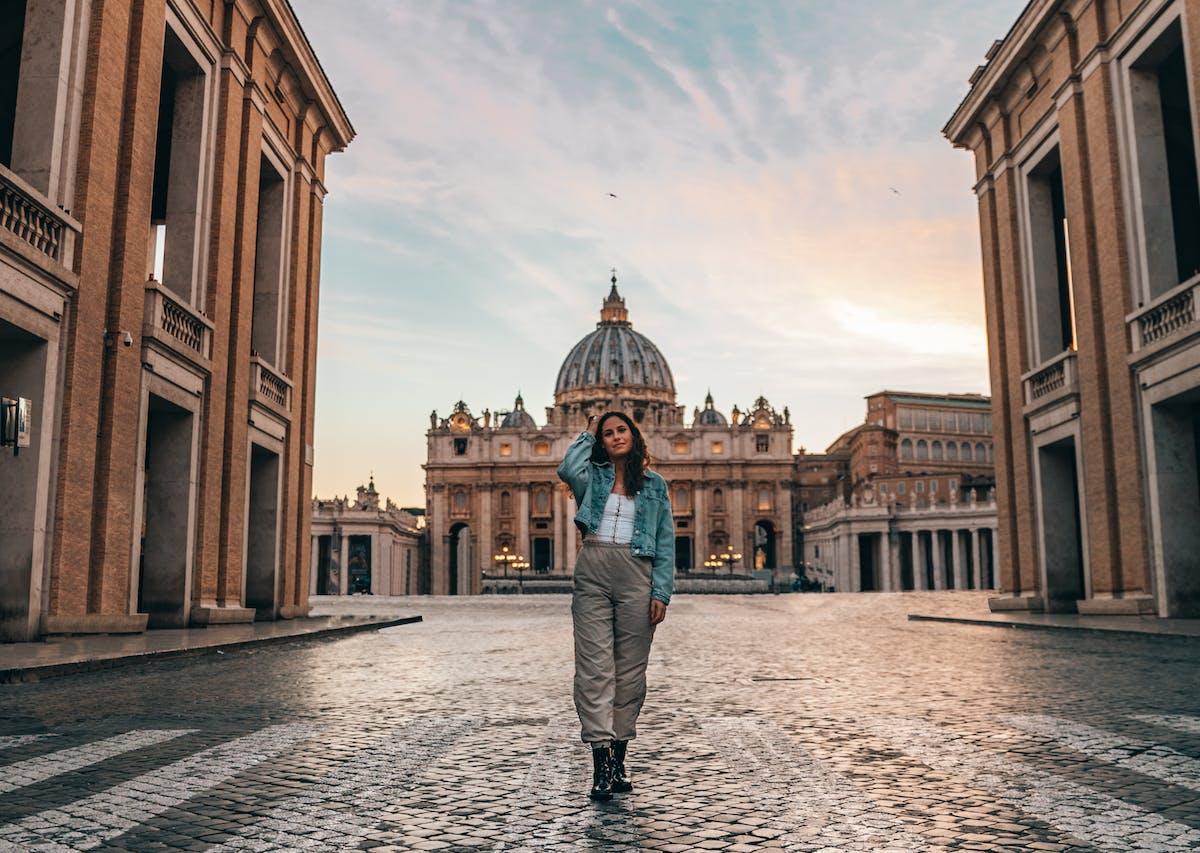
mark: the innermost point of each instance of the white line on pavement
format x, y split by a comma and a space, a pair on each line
1107, 823
1140, 756
34, 770
362, 789
1179, 722
90, 822
818, 808
11, 741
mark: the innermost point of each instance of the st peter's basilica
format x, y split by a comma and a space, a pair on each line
493, 497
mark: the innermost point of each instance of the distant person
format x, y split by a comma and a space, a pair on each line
624, 578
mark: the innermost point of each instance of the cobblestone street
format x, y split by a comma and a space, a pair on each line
806, 723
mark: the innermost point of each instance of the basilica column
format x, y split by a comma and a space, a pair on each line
918, 564
960, 563
977, 558
995, 557
314, 556
699, 523
939, 570
737, 523
524, 546
783, 534
886, 581
486, 546
853, 562
569, 539
560, 522
439, 546
344, 566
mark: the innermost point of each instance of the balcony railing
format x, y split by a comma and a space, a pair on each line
269, 387
179, 327
1056, 378
33, 221
1166, 317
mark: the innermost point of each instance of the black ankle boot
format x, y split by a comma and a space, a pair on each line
601, 773
620, 782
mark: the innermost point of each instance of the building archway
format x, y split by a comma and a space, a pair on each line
460, 560
764, 545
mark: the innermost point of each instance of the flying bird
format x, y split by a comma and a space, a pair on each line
614, 195
893, 189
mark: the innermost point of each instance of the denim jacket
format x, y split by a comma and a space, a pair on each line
653, 525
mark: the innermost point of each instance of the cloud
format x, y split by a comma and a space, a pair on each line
787, 216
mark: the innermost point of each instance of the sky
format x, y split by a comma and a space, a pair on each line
788, 220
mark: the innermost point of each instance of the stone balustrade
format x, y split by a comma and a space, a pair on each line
26, 216
1166, 317
176, 325
1052, 380
270, 387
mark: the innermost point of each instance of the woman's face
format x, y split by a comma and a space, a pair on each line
617, 438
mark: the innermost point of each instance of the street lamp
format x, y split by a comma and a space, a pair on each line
727, 558
505, 558
521, 564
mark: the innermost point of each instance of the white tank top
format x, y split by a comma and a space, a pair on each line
616, 525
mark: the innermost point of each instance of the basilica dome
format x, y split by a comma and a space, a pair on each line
614, 356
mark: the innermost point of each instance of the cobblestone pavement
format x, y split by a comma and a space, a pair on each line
806, 723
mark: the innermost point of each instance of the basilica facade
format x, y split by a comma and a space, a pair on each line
495, 505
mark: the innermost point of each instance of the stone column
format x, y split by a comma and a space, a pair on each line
344, 565
939, 570
919, 581
894, 557
486, 546
524, 546
560, 529
995, 556
378, 586
853, 562
699, 524
439, 547
960, 563
737, 522
783, 533
976, 555
885, 563
314, 556
572, 552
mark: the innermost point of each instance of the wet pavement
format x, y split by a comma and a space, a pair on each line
801, 722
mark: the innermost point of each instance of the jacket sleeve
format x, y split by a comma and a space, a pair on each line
576, 467
662, 574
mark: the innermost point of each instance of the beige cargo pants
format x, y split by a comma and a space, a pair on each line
610, 608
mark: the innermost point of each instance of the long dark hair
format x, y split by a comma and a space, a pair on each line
636, 461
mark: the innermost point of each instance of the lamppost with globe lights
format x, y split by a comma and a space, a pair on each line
521, 564
727, 558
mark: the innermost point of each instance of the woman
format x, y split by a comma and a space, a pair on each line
623, 582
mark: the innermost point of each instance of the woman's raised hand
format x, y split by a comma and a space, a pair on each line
593, 425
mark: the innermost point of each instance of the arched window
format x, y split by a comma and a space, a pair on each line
764, 499
991, 453
460, 502
718, 500
505, 503
906, 449
541, 501
967, 455
936, 451
952, 451
681, 499
922, 449
980, 453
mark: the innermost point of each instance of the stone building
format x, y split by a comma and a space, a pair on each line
491, 482
161, 189
358, 546
1083, 125
916, 505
